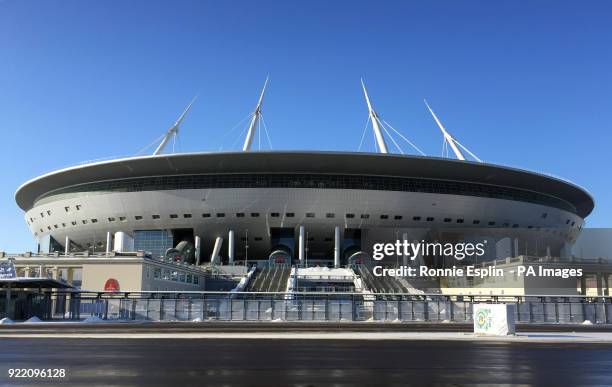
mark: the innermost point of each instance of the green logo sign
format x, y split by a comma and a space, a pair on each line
483, 318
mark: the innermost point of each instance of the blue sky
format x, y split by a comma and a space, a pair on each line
521, 83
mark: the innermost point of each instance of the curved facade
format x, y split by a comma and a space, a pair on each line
264, 198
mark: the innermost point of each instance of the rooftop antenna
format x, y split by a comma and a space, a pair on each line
380, 140
450, 139
255, 119
173, 131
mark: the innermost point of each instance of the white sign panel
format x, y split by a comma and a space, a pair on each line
494, 319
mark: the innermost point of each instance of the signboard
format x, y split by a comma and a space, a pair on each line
494, 319
7, 270
111, 285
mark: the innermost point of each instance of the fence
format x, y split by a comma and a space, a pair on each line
307, 306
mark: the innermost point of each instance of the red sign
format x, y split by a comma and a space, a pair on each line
111, 285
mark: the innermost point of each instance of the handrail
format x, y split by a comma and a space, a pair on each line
123, 294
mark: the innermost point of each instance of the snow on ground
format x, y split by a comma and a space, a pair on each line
93, 319
525, 337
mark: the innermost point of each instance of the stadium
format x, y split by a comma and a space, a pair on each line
225, 212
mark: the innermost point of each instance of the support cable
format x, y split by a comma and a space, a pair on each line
240, 136
405, 139
266, 130
230, 131
392, 139
467, 150
365, 128
156, 141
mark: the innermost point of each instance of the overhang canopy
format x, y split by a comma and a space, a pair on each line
34, 283
371, 164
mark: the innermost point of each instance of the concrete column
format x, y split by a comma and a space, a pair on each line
216, 250
7, 302
109, 242
69, 279
301, 246
123, 242
600, 285
26, 272
55, 276
67, 246
198, 249
231, 247
404, 256
566, 250
118, 245
515, 248
583, 285
547, 251
337, 246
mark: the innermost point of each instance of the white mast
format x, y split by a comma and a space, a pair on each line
453, 143
382, 146
173, 131
255, 119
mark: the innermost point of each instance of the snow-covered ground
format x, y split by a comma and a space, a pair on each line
526, 337
347, 334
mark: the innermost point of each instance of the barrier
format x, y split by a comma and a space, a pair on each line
310, 306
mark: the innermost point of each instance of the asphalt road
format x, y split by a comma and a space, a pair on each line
232, 362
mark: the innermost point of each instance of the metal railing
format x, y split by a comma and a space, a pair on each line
308, 306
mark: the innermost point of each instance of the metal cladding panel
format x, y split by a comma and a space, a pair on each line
306, 162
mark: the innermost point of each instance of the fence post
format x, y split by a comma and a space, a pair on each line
399, 310
286, 308
231, 309
204, 308
313, 309
148, 303
78, 311
161, 308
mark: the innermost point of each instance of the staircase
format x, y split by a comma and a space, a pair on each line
269, 279
385, 284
